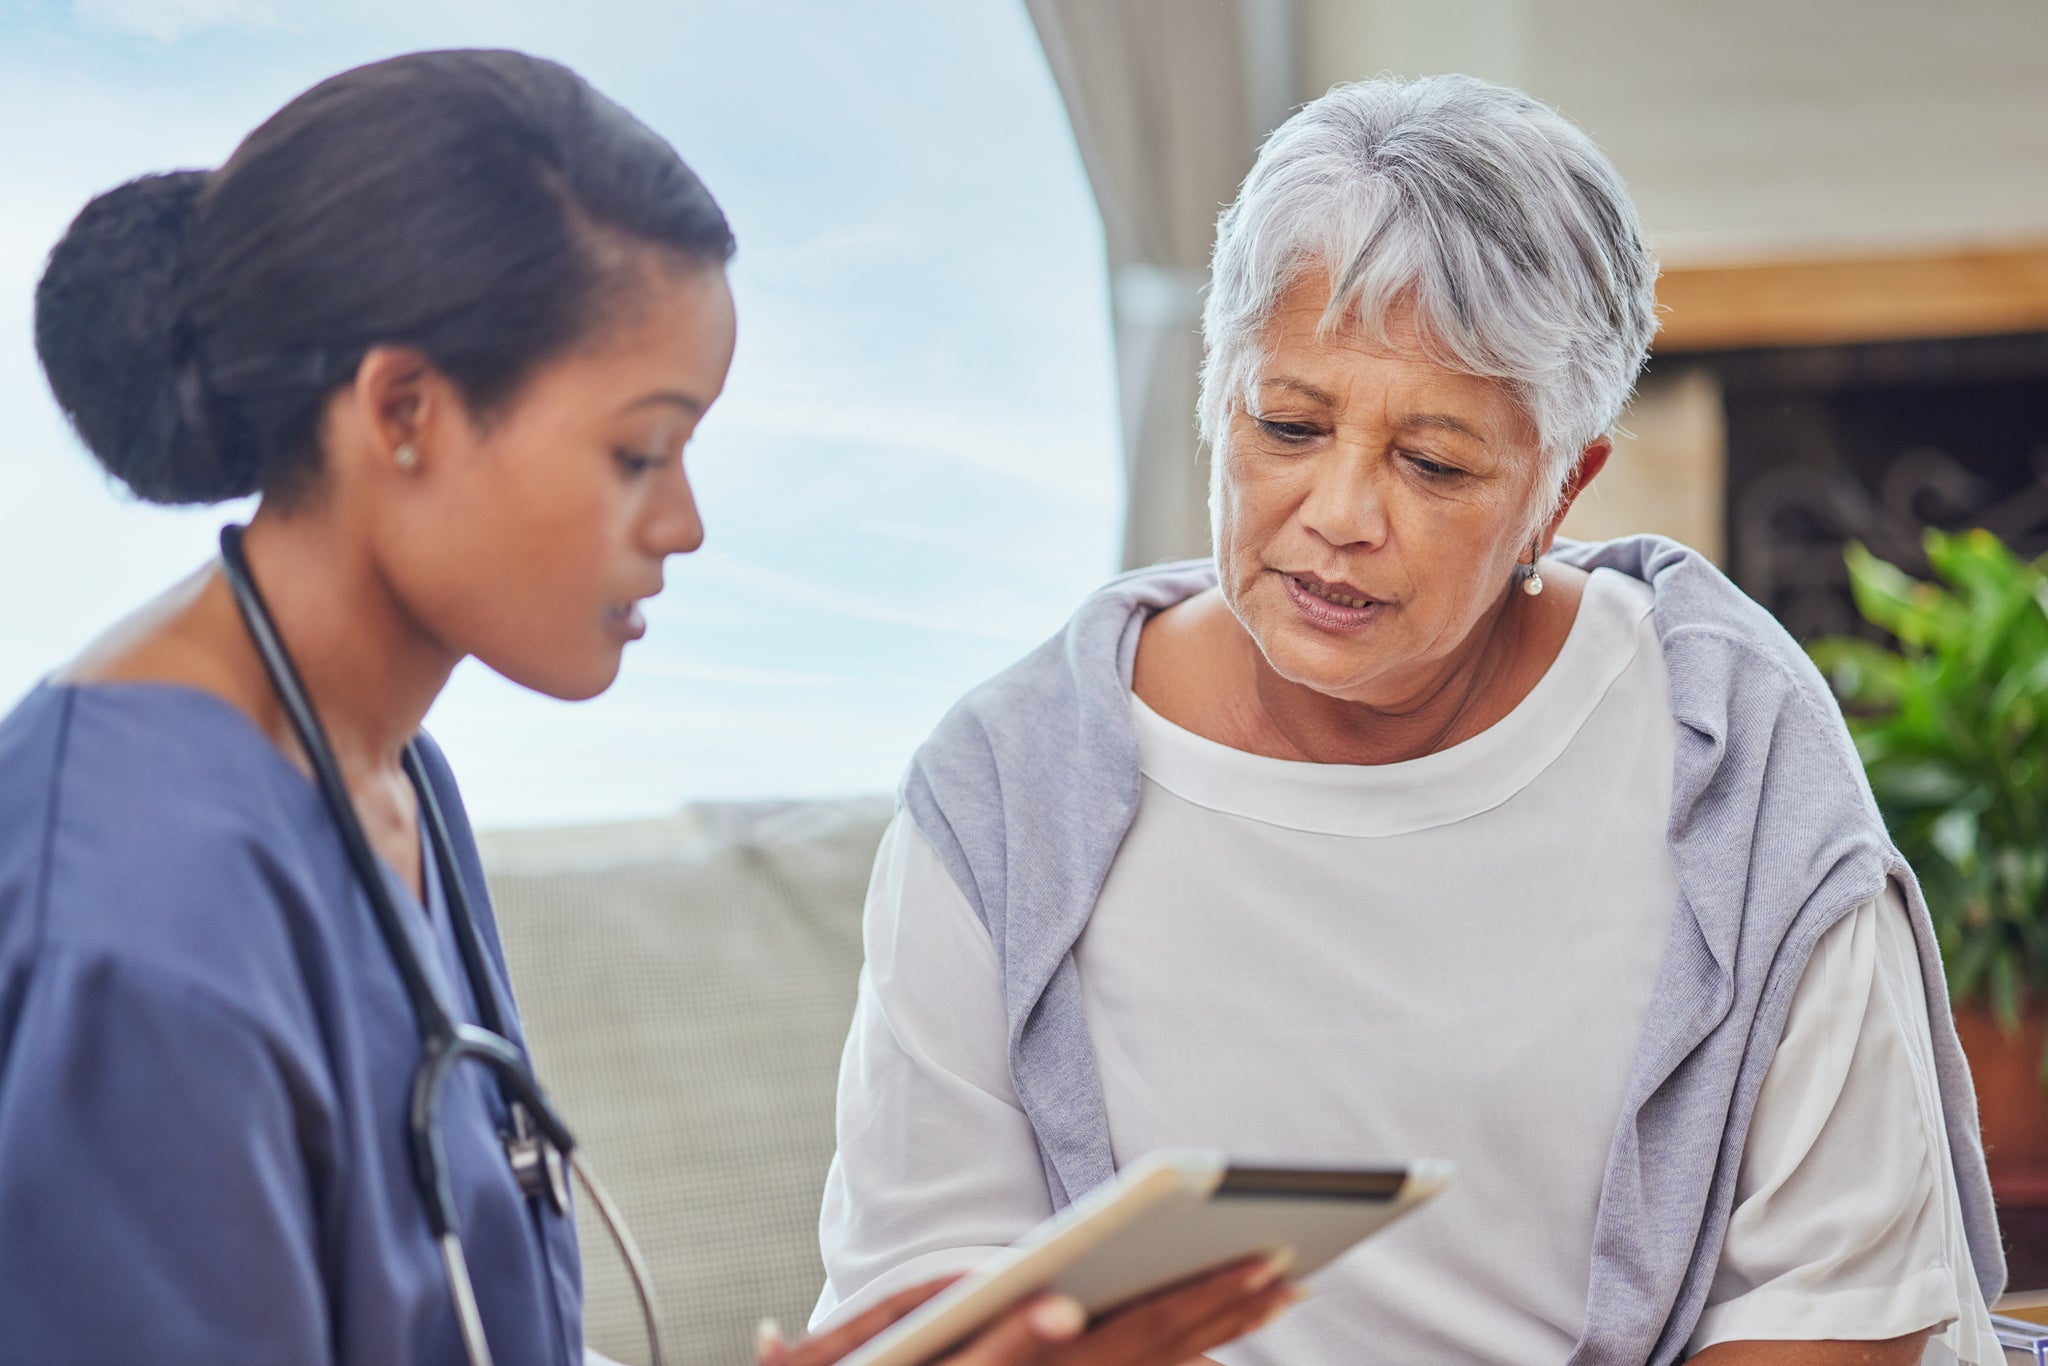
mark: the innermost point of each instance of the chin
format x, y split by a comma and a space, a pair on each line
1308, 660
564, 682
1328, 677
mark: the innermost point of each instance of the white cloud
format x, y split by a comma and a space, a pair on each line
169, 20
743, 677
1058, 452
987, 619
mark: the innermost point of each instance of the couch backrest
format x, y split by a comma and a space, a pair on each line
686, 986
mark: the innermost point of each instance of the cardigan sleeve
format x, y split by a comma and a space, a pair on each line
1847, 1223
937, 1167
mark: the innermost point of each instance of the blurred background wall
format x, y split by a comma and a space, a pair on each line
1850, 199
1757, 129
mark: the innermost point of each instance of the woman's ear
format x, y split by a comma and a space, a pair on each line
1591, 461
394, 396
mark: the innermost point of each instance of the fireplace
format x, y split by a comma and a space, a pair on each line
1874, 442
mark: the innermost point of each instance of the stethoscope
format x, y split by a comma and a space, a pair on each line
538, 1145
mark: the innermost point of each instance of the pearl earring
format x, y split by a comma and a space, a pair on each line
1534, 583
406, 457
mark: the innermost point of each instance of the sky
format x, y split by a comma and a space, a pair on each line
913, 475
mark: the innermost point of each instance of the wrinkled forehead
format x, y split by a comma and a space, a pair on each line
1314, 339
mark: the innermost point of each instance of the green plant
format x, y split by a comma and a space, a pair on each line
1953, 729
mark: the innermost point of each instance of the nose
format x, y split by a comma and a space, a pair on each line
1344, 504
674, 526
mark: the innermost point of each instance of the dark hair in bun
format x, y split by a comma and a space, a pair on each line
469, 204
107, 328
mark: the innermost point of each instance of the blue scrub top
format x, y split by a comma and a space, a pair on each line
205, 1059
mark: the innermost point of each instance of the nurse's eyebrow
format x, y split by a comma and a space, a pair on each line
694, 407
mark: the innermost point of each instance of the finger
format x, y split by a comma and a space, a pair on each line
830, 1346
1231, 1325
1196, 1298
1118, 1345
1246, 1275
1023, 1335
1188, 1320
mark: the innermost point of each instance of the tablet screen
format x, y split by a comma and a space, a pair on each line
1312, 1183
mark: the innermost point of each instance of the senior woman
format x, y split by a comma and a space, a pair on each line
1402, 830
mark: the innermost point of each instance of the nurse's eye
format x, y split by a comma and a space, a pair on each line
636, 464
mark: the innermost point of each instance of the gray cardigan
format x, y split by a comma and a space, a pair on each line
1028, 786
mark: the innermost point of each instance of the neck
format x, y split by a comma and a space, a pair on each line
370, 668
1455, 699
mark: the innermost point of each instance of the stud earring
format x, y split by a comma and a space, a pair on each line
406, 457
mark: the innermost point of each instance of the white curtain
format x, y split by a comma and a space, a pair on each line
1169, 100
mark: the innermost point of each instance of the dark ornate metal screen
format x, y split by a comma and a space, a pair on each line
1874, 443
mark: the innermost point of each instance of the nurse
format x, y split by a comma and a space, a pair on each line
454, 317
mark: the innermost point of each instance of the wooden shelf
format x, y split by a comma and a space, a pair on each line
1980, 292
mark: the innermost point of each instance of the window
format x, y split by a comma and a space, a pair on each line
912, 478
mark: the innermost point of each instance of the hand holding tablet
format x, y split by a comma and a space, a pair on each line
1165, 1220
1167, 1329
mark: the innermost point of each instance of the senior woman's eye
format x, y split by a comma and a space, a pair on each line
1433, 469
1293, 433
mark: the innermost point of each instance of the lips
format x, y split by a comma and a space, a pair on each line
625, 618
1332, 607
1334, 590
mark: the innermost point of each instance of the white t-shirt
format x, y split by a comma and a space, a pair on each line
1449, 957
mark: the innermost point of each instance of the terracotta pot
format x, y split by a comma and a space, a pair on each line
2011, 1103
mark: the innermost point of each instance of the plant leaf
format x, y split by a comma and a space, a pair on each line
1952, 727
1919, 614
1864, 673
1954, 834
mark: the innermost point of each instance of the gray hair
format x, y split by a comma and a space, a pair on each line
1487, 211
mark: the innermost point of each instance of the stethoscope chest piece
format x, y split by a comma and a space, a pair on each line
537, 1164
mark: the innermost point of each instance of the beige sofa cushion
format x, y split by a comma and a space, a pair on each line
686, 986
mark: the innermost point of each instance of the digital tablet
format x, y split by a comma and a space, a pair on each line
1170, 1216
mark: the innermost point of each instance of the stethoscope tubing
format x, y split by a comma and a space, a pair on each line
431, 1020
445, 1042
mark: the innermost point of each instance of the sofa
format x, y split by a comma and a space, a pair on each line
686, 985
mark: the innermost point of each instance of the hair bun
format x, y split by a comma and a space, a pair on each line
118, 357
